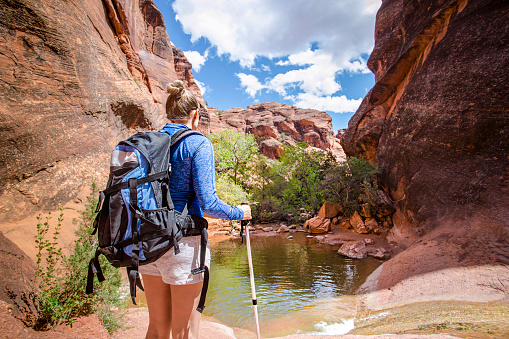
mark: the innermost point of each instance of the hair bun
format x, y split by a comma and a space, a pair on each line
175, 88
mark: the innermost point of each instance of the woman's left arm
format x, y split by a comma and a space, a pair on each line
204, 184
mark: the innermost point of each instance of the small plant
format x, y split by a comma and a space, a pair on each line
51, 310
60, 280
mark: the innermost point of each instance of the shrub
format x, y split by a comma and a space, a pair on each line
352, 183
230, 192
60, 283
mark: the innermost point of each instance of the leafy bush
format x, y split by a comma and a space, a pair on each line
60, 283
230, 192
352, 183
291, 183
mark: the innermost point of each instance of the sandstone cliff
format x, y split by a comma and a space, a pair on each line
277, 124
436, 122
76, 77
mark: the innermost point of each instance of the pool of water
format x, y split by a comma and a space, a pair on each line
301, 286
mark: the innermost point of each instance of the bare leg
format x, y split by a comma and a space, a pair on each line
185, 318
159, 307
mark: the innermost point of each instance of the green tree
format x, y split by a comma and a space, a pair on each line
233, 153
292, 182
304, 169
352, 183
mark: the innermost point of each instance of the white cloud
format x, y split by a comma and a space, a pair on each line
340, 32
249, 28
203, 88
250, 83
318, 78
337, 104
196, 59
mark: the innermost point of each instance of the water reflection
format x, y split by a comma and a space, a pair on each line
290, 275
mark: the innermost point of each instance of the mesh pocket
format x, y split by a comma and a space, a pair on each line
157, 232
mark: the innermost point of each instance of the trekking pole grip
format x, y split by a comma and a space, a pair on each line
244, 222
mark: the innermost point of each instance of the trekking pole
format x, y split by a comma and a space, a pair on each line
251, 276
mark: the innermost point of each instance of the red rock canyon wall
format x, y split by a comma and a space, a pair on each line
76, 77
436, 122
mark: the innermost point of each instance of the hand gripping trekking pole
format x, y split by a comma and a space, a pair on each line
251, 276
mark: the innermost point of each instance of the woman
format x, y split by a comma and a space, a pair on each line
172, 291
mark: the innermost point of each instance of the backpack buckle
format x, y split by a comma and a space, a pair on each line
198, 270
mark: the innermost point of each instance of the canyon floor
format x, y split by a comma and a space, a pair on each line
486, 317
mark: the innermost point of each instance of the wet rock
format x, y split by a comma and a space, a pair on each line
290, 237
292, 227
353, 249
268, 229
369, 241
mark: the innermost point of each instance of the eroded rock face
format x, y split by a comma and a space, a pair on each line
277, 124
16, 280
436, 118
436, 122
77, 77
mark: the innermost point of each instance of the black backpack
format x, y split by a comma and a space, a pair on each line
138, 193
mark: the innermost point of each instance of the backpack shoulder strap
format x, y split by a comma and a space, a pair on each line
181, 134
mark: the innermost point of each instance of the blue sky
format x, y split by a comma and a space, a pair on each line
308, 54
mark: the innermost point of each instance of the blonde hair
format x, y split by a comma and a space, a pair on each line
180, 102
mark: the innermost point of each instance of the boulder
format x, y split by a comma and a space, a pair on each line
345, 224
16, 280
353, 249
371, 224
319, 225
329, 210
358, 224
283, 228
268, 229
305, 215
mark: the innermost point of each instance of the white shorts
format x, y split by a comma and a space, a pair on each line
176, 269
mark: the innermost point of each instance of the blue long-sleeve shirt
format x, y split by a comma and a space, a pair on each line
193, 169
